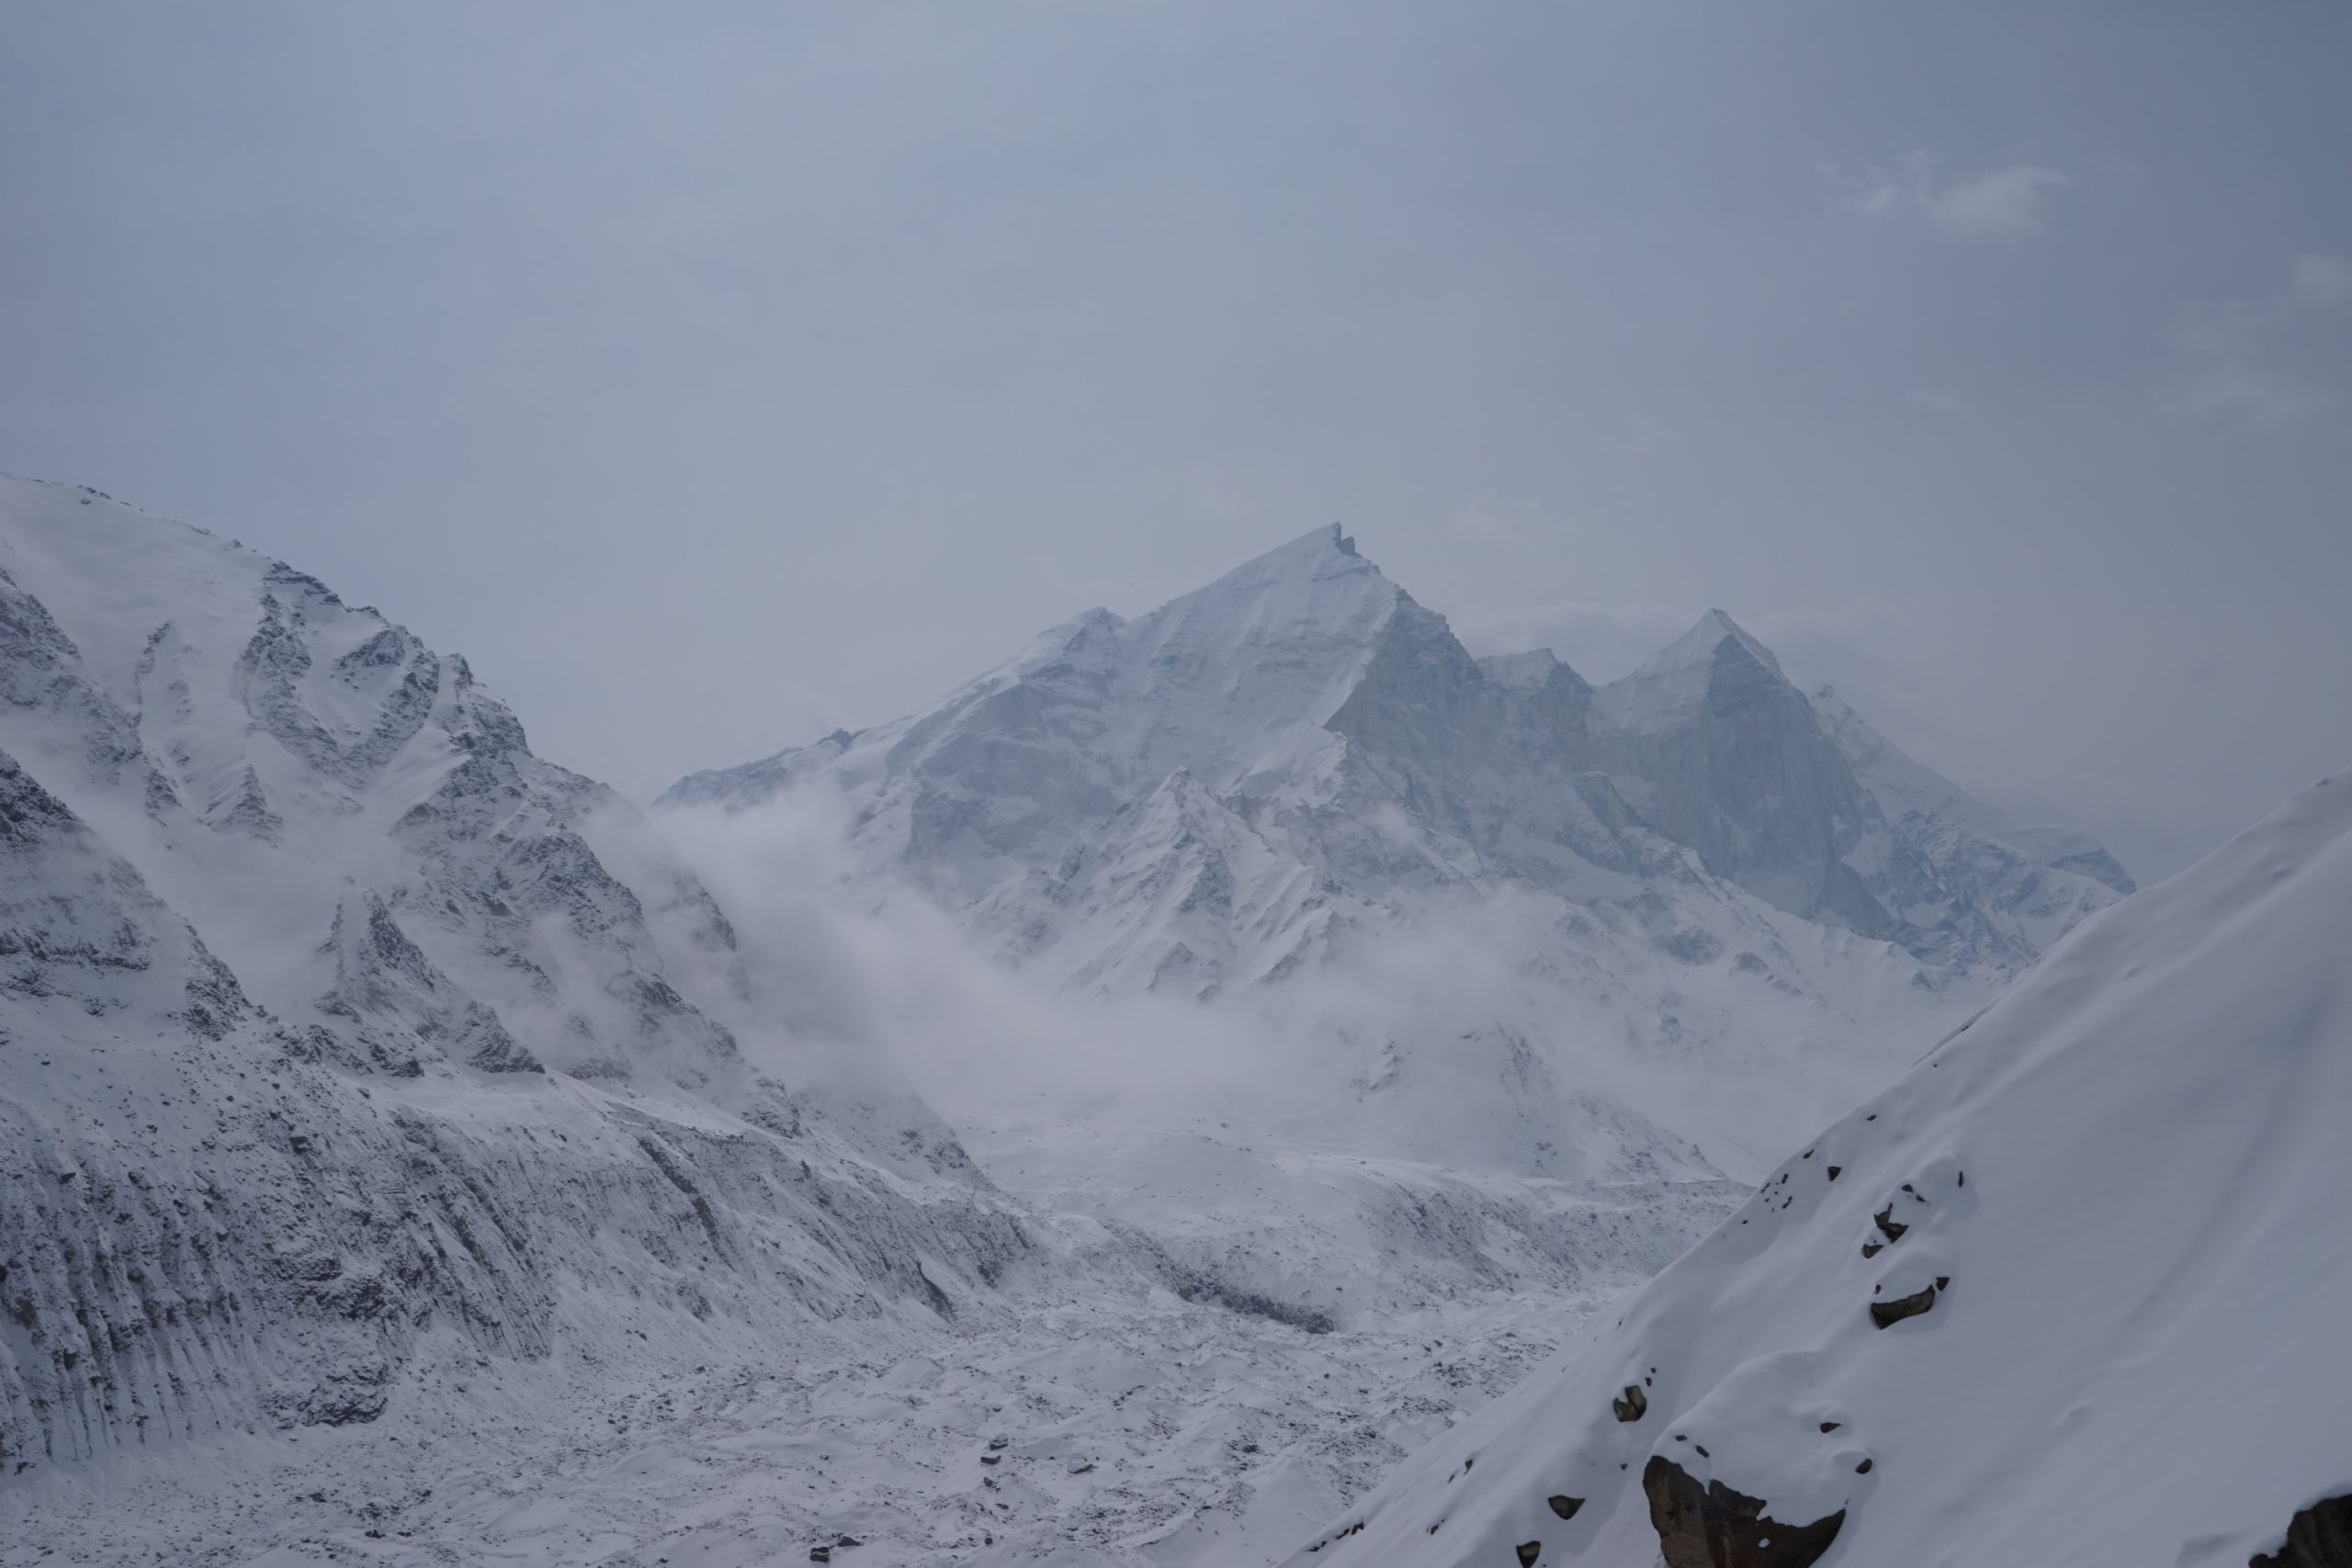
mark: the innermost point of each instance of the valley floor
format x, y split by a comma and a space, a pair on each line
1146, 1430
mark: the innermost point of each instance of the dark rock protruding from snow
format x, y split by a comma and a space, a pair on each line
2317, 1537
1632, 1404
1885, 1314
1713, 1526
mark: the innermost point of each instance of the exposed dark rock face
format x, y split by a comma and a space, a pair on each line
1529, 1551
1633, 1405
1886, 1314
1715, 1527
1565, 1507
2317, 1537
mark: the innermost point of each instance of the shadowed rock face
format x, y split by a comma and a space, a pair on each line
1715, 1527
2317, 1537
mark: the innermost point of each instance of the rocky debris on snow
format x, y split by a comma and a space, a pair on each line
1631, 1406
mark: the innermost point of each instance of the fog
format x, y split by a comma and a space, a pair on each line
1495, 1029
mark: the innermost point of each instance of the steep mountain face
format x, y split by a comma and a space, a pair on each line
333, 1021
2032, 1303
1716, 748
2020, 888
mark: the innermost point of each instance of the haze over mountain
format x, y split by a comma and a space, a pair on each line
1470, 917
1304, 692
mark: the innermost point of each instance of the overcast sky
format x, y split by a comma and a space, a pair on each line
710, 375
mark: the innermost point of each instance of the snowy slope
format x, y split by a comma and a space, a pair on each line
328, 1031
2099, 1225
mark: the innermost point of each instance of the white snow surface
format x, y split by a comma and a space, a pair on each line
2122, 1188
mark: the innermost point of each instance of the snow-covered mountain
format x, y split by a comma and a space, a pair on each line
1696, 901
2067, 1292
334, 1023
1242, 776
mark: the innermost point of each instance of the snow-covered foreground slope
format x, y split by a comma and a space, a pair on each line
2069, 1293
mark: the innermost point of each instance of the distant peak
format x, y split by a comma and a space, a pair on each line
1321, 568
1527, 671
1701, 642
1316, 545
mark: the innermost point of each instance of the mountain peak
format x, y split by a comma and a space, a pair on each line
1317, 589
1715, 661
1701, 643
1319, 550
